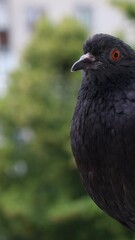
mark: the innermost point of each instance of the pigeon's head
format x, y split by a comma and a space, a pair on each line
106, 55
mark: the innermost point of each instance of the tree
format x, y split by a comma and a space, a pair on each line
41, 194
127, 6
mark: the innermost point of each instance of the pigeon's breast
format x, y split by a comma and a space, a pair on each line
103, 143
100, 129
95, 127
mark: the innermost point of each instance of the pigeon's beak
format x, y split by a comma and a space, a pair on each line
83, 63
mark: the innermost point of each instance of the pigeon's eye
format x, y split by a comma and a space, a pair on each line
115, 54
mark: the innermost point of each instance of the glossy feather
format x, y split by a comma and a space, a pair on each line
103, 129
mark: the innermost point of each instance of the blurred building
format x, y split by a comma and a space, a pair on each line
18, 18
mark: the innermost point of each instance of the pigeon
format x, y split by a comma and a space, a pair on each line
103, 126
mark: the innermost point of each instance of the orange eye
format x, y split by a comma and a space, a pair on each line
115, 55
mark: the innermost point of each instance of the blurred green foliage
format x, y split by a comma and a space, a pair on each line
41, 196
128, 6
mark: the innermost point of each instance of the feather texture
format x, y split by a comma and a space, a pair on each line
103, 128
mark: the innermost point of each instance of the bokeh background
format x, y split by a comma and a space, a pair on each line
41, 195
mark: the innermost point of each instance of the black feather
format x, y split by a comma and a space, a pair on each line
103, 128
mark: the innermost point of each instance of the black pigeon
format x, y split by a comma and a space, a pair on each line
103, 126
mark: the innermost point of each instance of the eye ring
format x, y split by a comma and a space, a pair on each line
115, 55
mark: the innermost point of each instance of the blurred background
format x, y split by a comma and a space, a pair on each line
41, 195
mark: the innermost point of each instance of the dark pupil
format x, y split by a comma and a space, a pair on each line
115, 55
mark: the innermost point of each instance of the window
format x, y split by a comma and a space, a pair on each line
33, 14
4, 39
4, 15
84, 14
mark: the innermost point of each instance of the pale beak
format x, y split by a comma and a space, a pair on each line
83, 63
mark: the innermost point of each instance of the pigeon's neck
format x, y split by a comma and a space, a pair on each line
91, 90
101, 87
